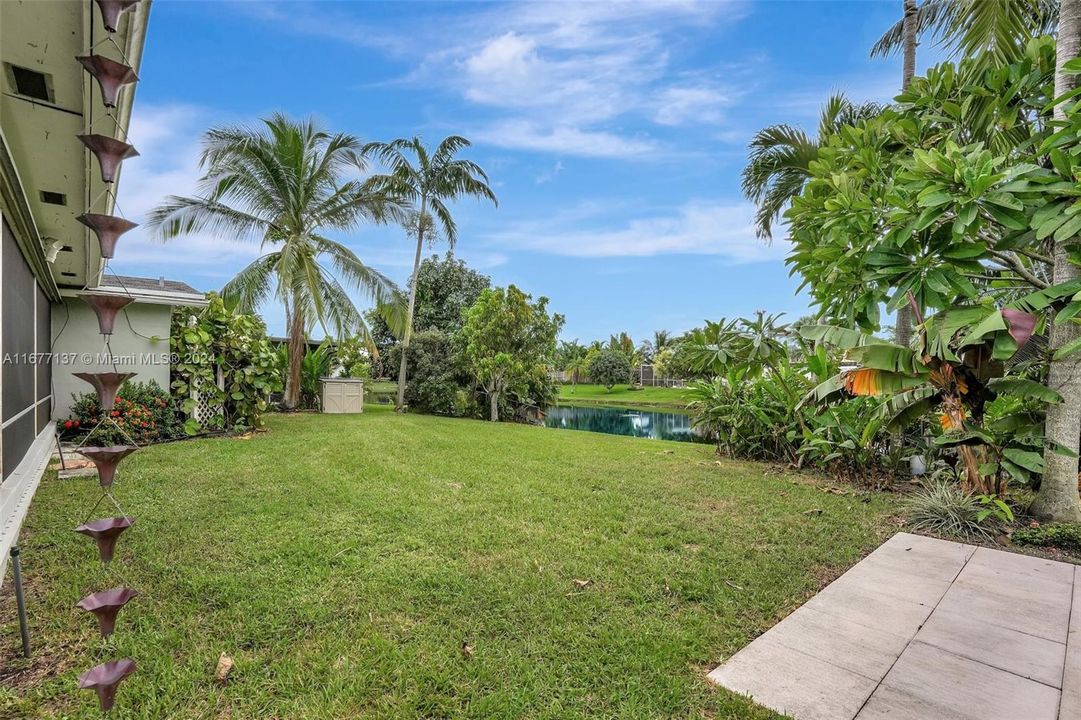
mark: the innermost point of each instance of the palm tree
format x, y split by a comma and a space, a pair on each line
577, 366
969, 26
1058, 497
281, 185
661, 340
781, 155
427, 183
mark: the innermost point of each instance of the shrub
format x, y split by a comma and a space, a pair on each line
609, 367
142, 413
352, 358
213, 338
943, 508
748, 418
435, 377
1066, 536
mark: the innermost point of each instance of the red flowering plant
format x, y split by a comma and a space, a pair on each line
143, 413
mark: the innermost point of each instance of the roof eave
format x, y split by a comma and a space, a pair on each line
150, 297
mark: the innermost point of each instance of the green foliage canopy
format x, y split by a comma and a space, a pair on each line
609, 367
508, 341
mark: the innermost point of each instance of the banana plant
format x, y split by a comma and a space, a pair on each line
956, 368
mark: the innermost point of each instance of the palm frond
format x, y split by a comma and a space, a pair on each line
252, 285
178, 216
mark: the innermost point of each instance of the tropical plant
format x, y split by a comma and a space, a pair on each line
427, 182
955, 370
282, 185
847, 440
1058, 498
943, 508
508, 341
316, 364
959, 197
781, 155
747, 417
609, 368
662, 340
974, 27
573, 358
206, 342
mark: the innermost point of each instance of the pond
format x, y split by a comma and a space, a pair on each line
655, 424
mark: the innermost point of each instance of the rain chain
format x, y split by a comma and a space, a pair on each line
105, 605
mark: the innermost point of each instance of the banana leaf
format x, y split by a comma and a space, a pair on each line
840, 337
1022, 387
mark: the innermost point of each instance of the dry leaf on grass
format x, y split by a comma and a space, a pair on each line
467, 650
225, 666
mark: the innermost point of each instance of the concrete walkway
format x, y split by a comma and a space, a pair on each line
925, 628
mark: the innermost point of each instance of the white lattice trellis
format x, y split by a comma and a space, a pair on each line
204, 408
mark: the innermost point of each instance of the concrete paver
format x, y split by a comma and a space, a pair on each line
925, 628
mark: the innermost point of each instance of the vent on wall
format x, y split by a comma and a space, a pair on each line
53, 198
31, 83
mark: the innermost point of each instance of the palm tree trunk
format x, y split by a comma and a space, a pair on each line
296, 357
908, 70
402, 367
1058, 497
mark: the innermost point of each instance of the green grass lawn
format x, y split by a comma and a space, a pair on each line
623, 396
344, 562
381, 386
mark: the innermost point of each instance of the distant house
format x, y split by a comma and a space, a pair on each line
139, 343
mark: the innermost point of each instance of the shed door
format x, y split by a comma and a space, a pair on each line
352, 397
333, 398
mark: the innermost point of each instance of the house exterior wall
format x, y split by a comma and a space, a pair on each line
25, 389
80, 347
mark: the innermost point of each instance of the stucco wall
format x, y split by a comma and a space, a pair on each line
80, 347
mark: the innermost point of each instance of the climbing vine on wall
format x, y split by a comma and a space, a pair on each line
206, 340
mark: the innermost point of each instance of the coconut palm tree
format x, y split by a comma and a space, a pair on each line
969, 26
780, 159
427, 182
661, 340
281, 184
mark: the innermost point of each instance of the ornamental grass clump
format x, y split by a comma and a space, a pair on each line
942, 508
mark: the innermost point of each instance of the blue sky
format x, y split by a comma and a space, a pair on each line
614, 134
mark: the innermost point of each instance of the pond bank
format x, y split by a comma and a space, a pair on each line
625, 396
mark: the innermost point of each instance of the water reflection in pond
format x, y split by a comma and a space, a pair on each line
619, 421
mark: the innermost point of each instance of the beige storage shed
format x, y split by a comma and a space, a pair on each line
343, 395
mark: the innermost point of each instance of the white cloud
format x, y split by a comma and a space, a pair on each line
564, 72
167, 137
698, 104
526, 135
561, 77
550, 174
696, 228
